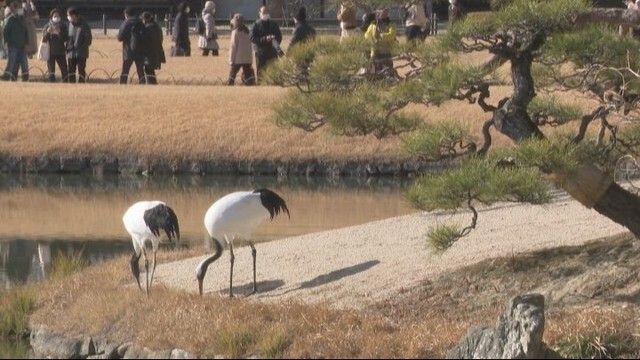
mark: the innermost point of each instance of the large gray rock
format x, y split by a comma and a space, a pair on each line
53, 345
517, 335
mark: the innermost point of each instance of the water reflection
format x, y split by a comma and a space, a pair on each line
45, 215
23, 260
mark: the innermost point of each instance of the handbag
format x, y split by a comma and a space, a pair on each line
43, 51
176, 51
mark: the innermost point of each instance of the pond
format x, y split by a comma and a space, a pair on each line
46, 215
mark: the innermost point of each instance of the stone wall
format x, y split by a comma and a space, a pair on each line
105, 164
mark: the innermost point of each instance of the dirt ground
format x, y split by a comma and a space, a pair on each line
359, 266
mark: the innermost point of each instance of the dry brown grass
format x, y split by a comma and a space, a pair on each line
172, 122
213, 325
196, 122
421, 322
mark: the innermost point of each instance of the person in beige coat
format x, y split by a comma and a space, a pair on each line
240, 52
208, 42
415, 21
31, 17
348, 21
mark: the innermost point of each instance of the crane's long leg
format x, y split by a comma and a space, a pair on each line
233, 258
253, 254
146, 267
153, 269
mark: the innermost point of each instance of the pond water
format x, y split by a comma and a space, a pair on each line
42, 216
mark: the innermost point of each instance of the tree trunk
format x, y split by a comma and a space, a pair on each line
621, 206
590, 185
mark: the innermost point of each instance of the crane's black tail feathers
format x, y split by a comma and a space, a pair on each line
272, 202
164, 218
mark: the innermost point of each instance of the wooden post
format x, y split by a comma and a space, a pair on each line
104, 23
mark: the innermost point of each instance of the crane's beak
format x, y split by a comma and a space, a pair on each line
200, 286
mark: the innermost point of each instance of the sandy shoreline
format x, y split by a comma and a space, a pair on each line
354, 266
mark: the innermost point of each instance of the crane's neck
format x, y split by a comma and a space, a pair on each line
201, 270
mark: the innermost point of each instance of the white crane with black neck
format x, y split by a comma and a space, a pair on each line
236, 215
144, 220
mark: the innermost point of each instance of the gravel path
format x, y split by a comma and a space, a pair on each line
351, 267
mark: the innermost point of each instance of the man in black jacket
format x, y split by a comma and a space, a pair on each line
266, 36
80, 39
303, 31
132, 34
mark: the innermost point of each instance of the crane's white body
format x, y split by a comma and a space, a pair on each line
235, 215
144, 220
133, 220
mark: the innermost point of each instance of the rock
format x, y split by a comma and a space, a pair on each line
181, 354
138, 352
518, 334
47, 344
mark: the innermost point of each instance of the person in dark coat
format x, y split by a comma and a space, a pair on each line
15, 36
78, 45
154, 53
303, 31
266, 36
181, 30
132, 47
56, 34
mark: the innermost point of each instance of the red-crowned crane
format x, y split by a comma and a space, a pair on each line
144, 220
236, 215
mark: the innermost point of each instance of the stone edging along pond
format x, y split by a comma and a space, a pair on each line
48, 344
102, 164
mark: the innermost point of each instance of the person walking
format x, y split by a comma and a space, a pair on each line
266, 36
132, 36
180, 36
240, 52
80, 39
455, 11
207, 42
15, 36
302, 31
416, 25
56, 34
31, 18
154, 53
348, 22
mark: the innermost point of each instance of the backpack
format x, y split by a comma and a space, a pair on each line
137, 40
200, 26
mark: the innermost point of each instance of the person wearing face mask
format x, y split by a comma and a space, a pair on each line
55, 33
266, 36
31, 18
15, 36
181, 32
78, 45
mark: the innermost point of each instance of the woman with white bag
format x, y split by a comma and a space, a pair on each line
55, 35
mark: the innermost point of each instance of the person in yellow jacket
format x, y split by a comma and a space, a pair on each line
382, 33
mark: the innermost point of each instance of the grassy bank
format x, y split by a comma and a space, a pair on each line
421, 322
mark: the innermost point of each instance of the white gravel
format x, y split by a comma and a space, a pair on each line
353, 266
